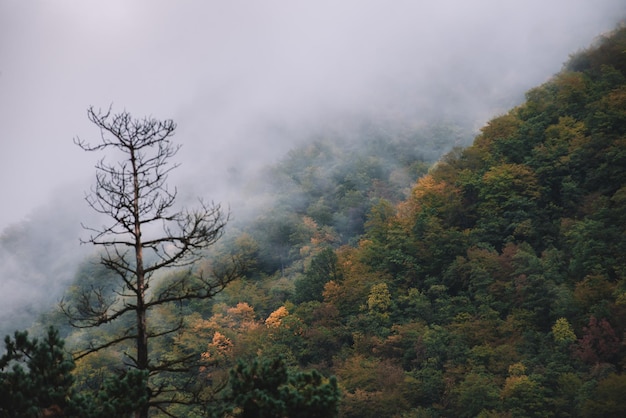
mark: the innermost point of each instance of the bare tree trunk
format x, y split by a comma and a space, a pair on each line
142, 332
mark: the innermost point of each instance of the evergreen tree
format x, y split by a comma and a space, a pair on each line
35, 375
267, 389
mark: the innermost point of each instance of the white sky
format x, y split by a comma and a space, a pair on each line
230, 71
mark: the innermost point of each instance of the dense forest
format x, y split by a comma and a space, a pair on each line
380, 283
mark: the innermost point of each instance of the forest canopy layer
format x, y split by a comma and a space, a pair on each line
492, 283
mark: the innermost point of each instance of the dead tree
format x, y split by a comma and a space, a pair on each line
144, 236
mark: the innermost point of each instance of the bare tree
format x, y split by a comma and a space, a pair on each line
145, 235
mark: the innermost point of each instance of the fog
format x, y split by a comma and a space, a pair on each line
245, 81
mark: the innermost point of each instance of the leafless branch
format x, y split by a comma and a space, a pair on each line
93, 348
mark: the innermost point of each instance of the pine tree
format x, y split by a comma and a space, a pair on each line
35, 375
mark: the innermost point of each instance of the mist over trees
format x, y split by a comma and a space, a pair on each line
38, 260
489, 283
232, 86
246, 96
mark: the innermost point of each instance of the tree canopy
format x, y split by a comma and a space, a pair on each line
491, 284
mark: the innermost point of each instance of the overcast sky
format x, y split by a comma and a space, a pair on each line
233, 72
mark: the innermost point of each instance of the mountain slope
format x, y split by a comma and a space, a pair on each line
495, 287
504, 273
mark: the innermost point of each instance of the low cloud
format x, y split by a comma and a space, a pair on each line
246, 82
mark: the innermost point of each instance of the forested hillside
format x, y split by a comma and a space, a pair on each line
492, 283
497, 287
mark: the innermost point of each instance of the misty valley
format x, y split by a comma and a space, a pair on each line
422, 271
